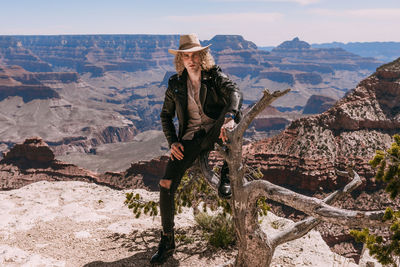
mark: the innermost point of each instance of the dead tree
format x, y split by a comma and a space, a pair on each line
255, 247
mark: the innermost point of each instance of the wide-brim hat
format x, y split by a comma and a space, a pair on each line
189, 43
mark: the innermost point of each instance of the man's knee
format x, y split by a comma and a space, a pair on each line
165, 183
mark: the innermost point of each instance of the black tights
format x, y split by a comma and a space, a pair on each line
174, 172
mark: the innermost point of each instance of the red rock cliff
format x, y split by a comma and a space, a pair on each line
307, 153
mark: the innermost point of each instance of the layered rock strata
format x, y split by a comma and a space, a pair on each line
60, 108
317, 104
15, 81
293, 62
33, 161
306, 154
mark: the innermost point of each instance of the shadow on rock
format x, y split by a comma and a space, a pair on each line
139, 259
144, 244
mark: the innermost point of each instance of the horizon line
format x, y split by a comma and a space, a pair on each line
174, 34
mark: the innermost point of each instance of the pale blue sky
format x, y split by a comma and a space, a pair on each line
265, 22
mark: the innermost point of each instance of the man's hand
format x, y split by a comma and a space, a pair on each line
176, 151
228, 125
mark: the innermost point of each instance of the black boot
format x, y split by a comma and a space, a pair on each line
165, 248
224, 189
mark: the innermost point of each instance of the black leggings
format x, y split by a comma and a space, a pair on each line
177, 168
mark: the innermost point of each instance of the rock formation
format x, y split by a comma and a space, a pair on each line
280, 77
384, 51
96, 89
68, 118
15, 81
33, 150
34, 161
229, 42
309, 78
269, 122
99, 55
89, 53
306, 154
317, 104
150, 172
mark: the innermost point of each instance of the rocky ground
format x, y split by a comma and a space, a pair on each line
84, 224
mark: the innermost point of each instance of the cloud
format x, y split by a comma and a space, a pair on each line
245, 18
379, 13
372, 13
301, 2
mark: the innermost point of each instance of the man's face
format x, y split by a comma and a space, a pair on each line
191, 61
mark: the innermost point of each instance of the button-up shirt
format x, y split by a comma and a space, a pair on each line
197, 119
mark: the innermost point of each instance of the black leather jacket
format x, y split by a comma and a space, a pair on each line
218, 96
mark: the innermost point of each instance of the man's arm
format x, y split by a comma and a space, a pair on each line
233, 99
167, 115
230, 92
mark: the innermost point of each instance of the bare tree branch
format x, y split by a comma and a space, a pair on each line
302, 227
267, 99
313, 206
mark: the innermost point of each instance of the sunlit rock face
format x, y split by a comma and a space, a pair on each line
307, 153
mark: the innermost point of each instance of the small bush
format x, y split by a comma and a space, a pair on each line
386, 249
183, 238
218, 229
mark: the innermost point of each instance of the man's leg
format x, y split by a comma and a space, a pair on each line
168, 185
224, 188
171, 180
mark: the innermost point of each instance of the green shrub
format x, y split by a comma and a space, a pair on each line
183, 238
386, 249
218, 229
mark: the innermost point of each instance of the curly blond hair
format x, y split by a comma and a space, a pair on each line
206, 61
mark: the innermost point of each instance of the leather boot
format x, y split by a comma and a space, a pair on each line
165, 250
224, 188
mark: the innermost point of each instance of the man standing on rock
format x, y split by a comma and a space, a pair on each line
206, 103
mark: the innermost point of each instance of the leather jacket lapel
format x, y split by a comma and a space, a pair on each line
182, 103
205, 76
181, 91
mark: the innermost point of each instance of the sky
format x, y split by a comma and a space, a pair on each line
264, 22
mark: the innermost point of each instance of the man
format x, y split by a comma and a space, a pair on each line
206, 103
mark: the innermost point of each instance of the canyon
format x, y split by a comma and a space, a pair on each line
79, 92
303, 157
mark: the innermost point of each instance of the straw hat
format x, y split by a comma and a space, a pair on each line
188, 43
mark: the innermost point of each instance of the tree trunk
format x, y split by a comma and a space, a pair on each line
255, 248
256, 253
253, 244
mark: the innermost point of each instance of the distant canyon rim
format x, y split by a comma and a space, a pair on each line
79, 92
